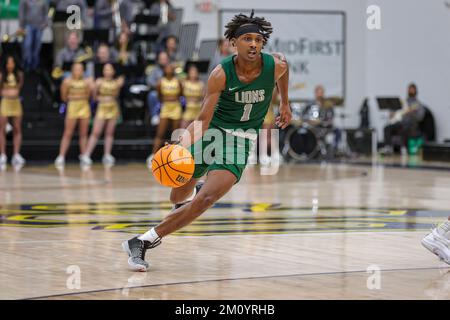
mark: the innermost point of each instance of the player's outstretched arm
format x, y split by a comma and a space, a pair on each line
282, 79
214, 87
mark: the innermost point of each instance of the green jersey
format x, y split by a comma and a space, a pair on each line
244, 106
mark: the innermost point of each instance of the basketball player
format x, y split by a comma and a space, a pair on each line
250, 73
76, 91
106, 91
11, 81
438, 241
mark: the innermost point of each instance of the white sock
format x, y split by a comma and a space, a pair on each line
150, 235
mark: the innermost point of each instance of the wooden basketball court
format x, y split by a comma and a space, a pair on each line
331, 231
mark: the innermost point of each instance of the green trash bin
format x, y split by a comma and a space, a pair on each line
414, 145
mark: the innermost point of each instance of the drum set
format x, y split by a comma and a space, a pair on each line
310, 134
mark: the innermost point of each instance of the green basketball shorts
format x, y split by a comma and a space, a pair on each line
220, 150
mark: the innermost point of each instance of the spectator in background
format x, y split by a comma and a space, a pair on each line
33, 19
164, 9
171, 47
126, 15
325, 118
224, 49
60, 30
126, 55
105, 12
320, 100
405, 122
152, 80
104, 54
70, 52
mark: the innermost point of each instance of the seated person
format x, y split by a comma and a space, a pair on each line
166, 27
60, 30
325, 117
405, 122
326, 113
124, 49
104, 55
152, 80
171, 47
224, 49
69, 54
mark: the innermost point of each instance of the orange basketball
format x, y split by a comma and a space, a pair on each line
173, 166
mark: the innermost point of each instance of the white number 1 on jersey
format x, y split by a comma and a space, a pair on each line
247, 110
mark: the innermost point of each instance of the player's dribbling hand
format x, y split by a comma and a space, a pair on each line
283, 120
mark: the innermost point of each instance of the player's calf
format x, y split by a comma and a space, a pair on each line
180, 201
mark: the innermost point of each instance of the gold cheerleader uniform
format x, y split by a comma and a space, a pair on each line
192, 90
11, 107
108, 110
171, 109
78, 109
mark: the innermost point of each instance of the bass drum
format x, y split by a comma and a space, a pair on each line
300, 143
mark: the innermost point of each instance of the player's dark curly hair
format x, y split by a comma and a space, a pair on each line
241, 19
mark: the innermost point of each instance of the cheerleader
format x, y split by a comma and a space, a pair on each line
169, 91
193, 91
106, 92
11, 81
75, 91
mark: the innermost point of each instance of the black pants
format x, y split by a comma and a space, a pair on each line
405, 129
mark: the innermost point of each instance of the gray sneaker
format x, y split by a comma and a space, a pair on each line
136, 250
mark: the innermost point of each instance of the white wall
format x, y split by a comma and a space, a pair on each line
413, 45
356, 34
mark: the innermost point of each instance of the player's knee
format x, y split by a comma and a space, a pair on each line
203, 201
175, 196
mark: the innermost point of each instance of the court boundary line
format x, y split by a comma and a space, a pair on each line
229, 279
216, 236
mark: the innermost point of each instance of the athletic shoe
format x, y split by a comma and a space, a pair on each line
17, 160
3, 159
85, 160
136, 250
60, 161
438, 241
197, 188
108, 160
